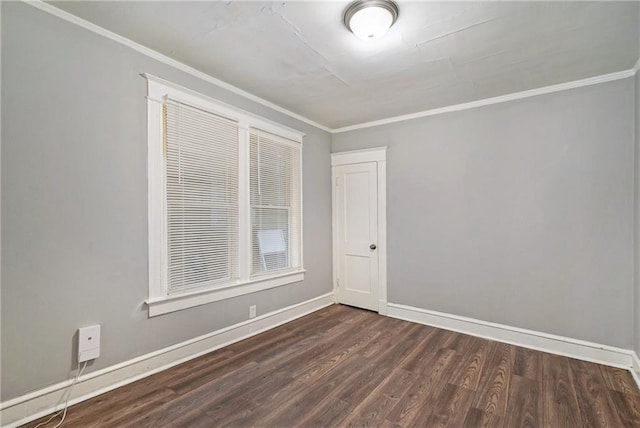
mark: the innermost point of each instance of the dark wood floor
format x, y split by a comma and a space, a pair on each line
343, 366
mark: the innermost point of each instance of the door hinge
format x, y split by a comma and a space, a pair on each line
337, 282
337, 181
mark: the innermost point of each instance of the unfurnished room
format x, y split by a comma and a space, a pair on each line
281, 214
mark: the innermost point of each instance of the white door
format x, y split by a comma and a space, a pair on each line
356, 216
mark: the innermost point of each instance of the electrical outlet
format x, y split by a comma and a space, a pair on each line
88, 343
252, 311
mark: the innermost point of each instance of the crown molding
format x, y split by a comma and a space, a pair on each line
46, 7
495, 100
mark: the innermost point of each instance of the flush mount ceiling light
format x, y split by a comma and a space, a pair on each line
370, 19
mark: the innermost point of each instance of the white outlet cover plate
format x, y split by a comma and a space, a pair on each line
88, 343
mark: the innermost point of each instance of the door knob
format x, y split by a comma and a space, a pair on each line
373, 246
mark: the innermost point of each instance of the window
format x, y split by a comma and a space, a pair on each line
201, 175
225, 201
275, 203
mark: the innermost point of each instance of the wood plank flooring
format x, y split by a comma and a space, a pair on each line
343, 366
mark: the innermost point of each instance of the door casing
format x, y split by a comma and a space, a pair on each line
378, 155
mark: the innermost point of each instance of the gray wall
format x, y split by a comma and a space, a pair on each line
636, 312
74, 203
519, 213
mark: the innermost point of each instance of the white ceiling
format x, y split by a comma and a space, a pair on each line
300, 56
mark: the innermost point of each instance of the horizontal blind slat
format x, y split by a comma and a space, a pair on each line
274, 179
201, 156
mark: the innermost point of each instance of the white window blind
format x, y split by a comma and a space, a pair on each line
275, 198
225, 200
201, 152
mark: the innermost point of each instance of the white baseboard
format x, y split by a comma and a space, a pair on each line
635, 368
34, 405
574, 348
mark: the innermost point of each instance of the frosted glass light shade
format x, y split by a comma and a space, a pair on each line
371, 23
370, 19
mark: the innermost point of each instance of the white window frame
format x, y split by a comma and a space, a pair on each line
160, 301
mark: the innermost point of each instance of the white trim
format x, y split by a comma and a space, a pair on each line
495, 100
301, 207
160, 302
39, 4
378, 155
635, 368
175, 302
382, 234
160, 90
383, 306
156, 204
46, 7
39, 403
574, 348
334, 233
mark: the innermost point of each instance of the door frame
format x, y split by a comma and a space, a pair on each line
378, 155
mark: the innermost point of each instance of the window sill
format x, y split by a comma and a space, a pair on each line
176, 302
